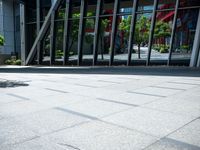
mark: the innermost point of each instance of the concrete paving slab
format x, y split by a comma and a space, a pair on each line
48, 121
177, 106
157, 91
96, 108
20, 108
13, 133
34, 144
149, 121
170, 144
101, 136
100, 108
188, 134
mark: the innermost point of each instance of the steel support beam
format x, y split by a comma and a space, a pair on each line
22, 33
68, 14
153, 21
132, 31
52, 39
42, 31
83, 13
173, 32
196, 45
39, 58
97, 30
198, 61
113, 32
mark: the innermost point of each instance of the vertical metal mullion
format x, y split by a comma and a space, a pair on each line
68, 14
113, 32
132, 31
153, 21
22, 33
81, 30
96, 31
38, 30
52, 38
173, 32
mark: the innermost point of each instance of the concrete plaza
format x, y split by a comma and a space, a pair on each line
136, 108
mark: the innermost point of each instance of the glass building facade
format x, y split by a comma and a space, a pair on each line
111, 32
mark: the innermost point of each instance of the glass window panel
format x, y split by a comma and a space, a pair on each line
73, 41
59, 31
45, 44
76, 9
185, 32
104, 40
121, 39
126, 6
162, 36
166, 4
88, 41
91, 10
108, 7
31, 11
141, 38
186, 3
145, 5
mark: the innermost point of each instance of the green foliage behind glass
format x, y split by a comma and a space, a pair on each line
1, 40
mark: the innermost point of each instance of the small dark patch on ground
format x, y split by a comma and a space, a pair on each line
11, 83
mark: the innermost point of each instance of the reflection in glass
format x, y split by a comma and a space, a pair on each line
141, 37
73, 40
162, 35
184, 36
145, 5
121, 39
187, 3
88, 40
104, 39
166, 4
59, 27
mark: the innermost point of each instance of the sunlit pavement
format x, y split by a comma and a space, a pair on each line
100, 109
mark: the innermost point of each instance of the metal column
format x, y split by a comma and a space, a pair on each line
52, 39
113, 32
196, 45
22, 33
132, 31
68, 14
153, 21
96, 31
83, 13
173, 32
39, 58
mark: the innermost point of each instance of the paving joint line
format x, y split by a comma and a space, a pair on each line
171, 133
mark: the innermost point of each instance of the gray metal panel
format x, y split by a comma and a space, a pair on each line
22, 30
52, 39
113, 33
96, 31
68, 14
132, 31
81, 30
38, 30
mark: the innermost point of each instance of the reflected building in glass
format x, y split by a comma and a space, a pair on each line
107, 32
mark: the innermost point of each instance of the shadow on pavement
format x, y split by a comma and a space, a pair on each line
118, 70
